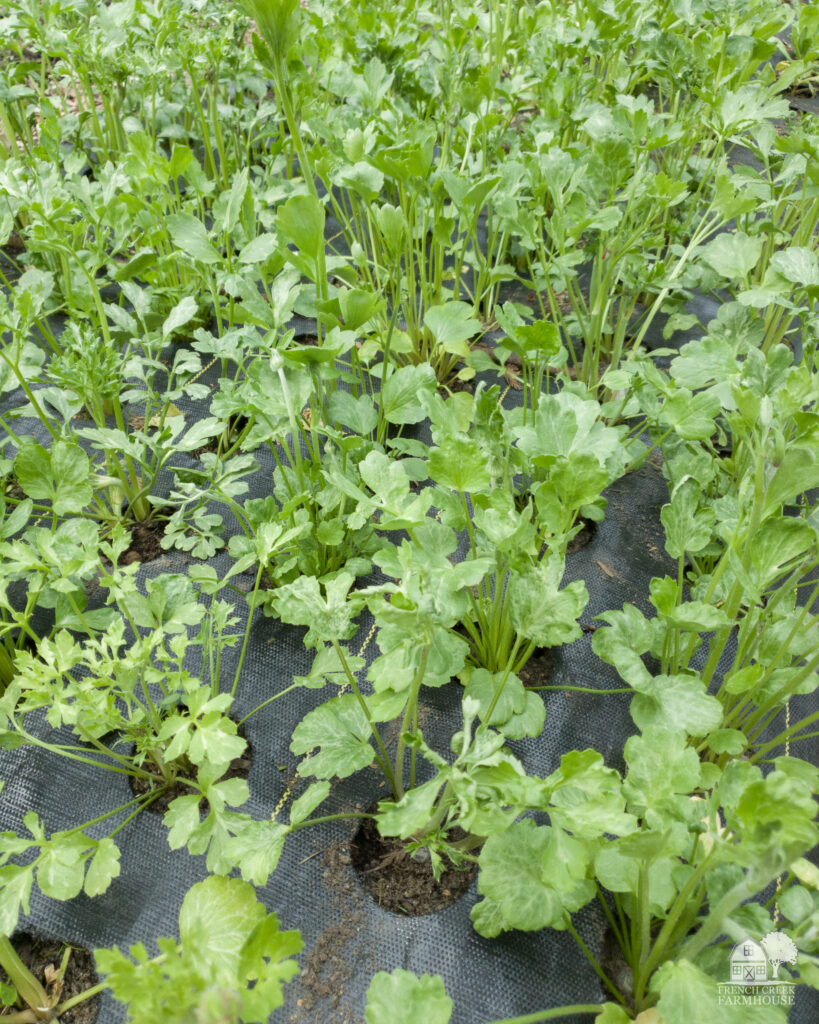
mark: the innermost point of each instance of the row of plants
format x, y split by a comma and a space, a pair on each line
485, 212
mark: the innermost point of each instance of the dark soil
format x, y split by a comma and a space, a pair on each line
453, 386
580, 540
146, 540
239, 768
341, 950
43, 958
616, 968
537, 669
398, 882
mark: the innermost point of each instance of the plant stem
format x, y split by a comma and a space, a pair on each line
329, 817
382, 757
593, 961
250, 614
412, 705
28, 988
559, 1011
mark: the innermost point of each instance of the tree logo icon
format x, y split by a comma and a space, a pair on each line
779, 949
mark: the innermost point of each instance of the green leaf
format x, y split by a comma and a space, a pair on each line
61, 870
308, 801
358, 414
181, 819
733, 255
60, 476
234, 199
623, 643
15, 887
460, 464
688, 528
482, 687
256, 849
727, 741
300, 221
660, 765
182, 313
451, 325
611, 1013
362, 178
677, 702
539, 611
542, 336
797, 264
392, 224
328, 615
216, 917
777, 542
410, 813
513, 875
230, 966
102, 868
400, 397
587, 798
190, 235
258, 249
687, 994
691, 416
403, 998
278, 20
339, 734
28, 359
797, 472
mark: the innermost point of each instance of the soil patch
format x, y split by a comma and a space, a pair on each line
537, 669
146, 543
400, 883
43, 958
239, 768
455, 386
340, 951
581, 539
616, 967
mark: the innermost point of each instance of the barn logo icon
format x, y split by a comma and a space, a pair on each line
749, 965
754, 972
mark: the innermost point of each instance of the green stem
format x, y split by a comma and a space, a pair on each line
560, 1011
412, 705
382, 757
28, 988
590, 957
247, 630
486, 720
328, 817
583, 689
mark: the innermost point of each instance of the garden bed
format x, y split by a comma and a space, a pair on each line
410, 607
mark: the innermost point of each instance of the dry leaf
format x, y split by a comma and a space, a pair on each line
138, 422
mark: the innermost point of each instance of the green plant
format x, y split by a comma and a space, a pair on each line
229, 964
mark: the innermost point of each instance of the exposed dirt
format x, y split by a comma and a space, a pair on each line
146, 540
537, 669
455, 385
340, 951
616, 967
400, 883
43, 958
587, 531
239, 768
